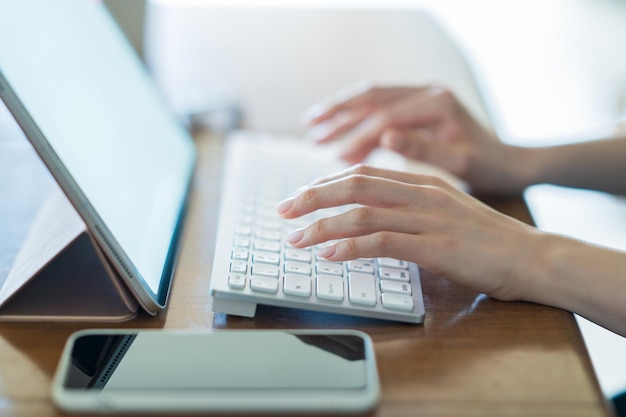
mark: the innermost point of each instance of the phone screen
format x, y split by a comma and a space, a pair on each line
226, 360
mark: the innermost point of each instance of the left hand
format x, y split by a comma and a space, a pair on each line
424, 123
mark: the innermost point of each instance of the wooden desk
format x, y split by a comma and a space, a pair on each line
473, 356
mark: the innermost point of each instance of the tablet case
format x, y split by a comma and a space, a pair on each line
60, 274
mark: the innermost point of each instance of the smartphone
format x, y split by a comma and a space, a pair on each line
243, 371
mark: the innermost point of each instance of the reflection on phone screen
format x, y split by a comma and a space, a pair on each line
216, 360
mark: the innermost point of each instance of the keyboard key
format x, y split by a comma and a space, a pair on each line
239, 266
366, 267
245, 219
266, 257
329, 287
243, 241
395, 287
266, 270
269, 223
267, 212
362, 289
237, 281
298, 268
297, 255
394, 274
264, 284
298, 285
397, 301
241, 229
298, 223
393, 263
329, 268
267, 245
247, 208
240, 253
268, 234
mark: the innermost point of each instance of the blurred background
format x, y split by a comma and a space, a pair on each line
551, 70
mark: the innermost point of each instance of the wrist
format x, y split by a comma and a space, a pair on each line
524, 166
542, 270
507, 169
554, 275
525, 275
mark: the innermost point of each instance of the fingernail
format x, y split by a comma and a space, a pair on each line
319, 132
284, 206
313, 112
327, 251
294, 236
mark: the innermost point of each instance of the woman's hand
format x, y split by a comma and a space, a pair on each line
420, 219
422, 123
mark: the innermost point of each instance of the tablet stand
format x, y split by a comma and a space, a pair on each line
60, 273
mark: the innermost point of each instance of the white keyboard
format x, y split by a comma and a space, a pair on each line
254, 265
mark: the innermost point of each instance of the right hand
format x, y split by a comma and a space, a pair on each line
426, 123
420, 219
425, 220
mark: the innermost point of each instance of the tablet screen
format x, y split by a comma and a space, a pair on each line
82, 87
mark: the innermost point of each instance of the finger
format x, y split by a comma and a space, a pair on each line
437, 187
354, 189
435, 253
400, 176
362, 140
359, 95
410, 144
354, 96
421, 146
423, 108
396, 245
342, 122
358, 222
364, 190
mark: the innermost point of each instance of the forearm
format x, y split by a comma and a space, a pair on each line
599, 165
585, 279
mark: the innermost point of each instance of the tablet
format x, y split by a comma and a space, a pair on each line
244, 371
89, 108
